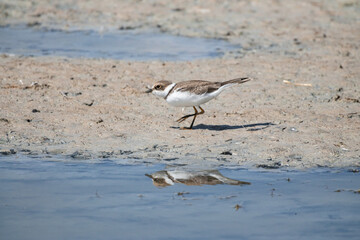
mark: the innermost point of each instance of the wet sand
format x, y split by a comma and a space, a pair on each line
302, 108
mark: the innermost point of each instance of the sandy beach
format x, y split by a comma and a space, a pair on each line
301, 109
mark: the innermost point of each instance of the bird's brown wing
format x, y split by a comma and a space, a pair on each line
198, 86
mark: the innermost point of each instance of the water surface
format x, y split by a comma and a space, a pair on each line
127, 45
47, 199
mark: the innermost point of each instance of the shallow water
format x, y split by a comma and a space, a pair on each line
127, 45
47, 199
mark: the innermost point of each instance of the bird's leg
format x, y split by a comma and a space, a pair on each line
186, 116
195, 114
190, 115
202, 111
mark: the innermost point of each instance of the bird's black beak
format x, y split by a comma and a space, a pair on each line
149, 90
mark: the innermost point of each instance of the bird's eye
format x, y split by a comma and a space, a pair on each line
157, 87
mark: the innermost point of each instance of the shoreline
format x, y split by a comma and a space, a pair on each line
130, 123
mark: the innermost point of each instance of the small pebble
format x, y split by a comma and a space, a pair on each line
293, 129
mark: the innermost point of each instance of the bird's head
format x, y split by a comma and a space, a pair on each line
161, 88
160, 179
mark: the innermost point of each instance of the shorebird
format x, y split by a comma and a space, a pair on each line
191, 178
191, 93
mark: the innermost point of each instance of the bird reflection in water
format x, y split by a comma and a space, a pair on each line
191, 178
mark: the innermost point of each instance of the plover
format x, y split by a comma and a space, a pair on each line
191, 178
191, 93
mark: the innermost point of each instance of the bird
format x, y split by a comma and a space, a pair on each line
192, 93
166, 178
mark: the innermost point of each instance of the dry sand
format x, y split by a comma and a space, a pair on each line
302, 108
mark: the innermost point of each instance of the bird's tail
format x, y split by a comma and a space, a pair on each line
236, 80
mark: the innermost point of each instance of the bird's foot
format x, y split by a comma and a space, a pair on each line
186, 128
